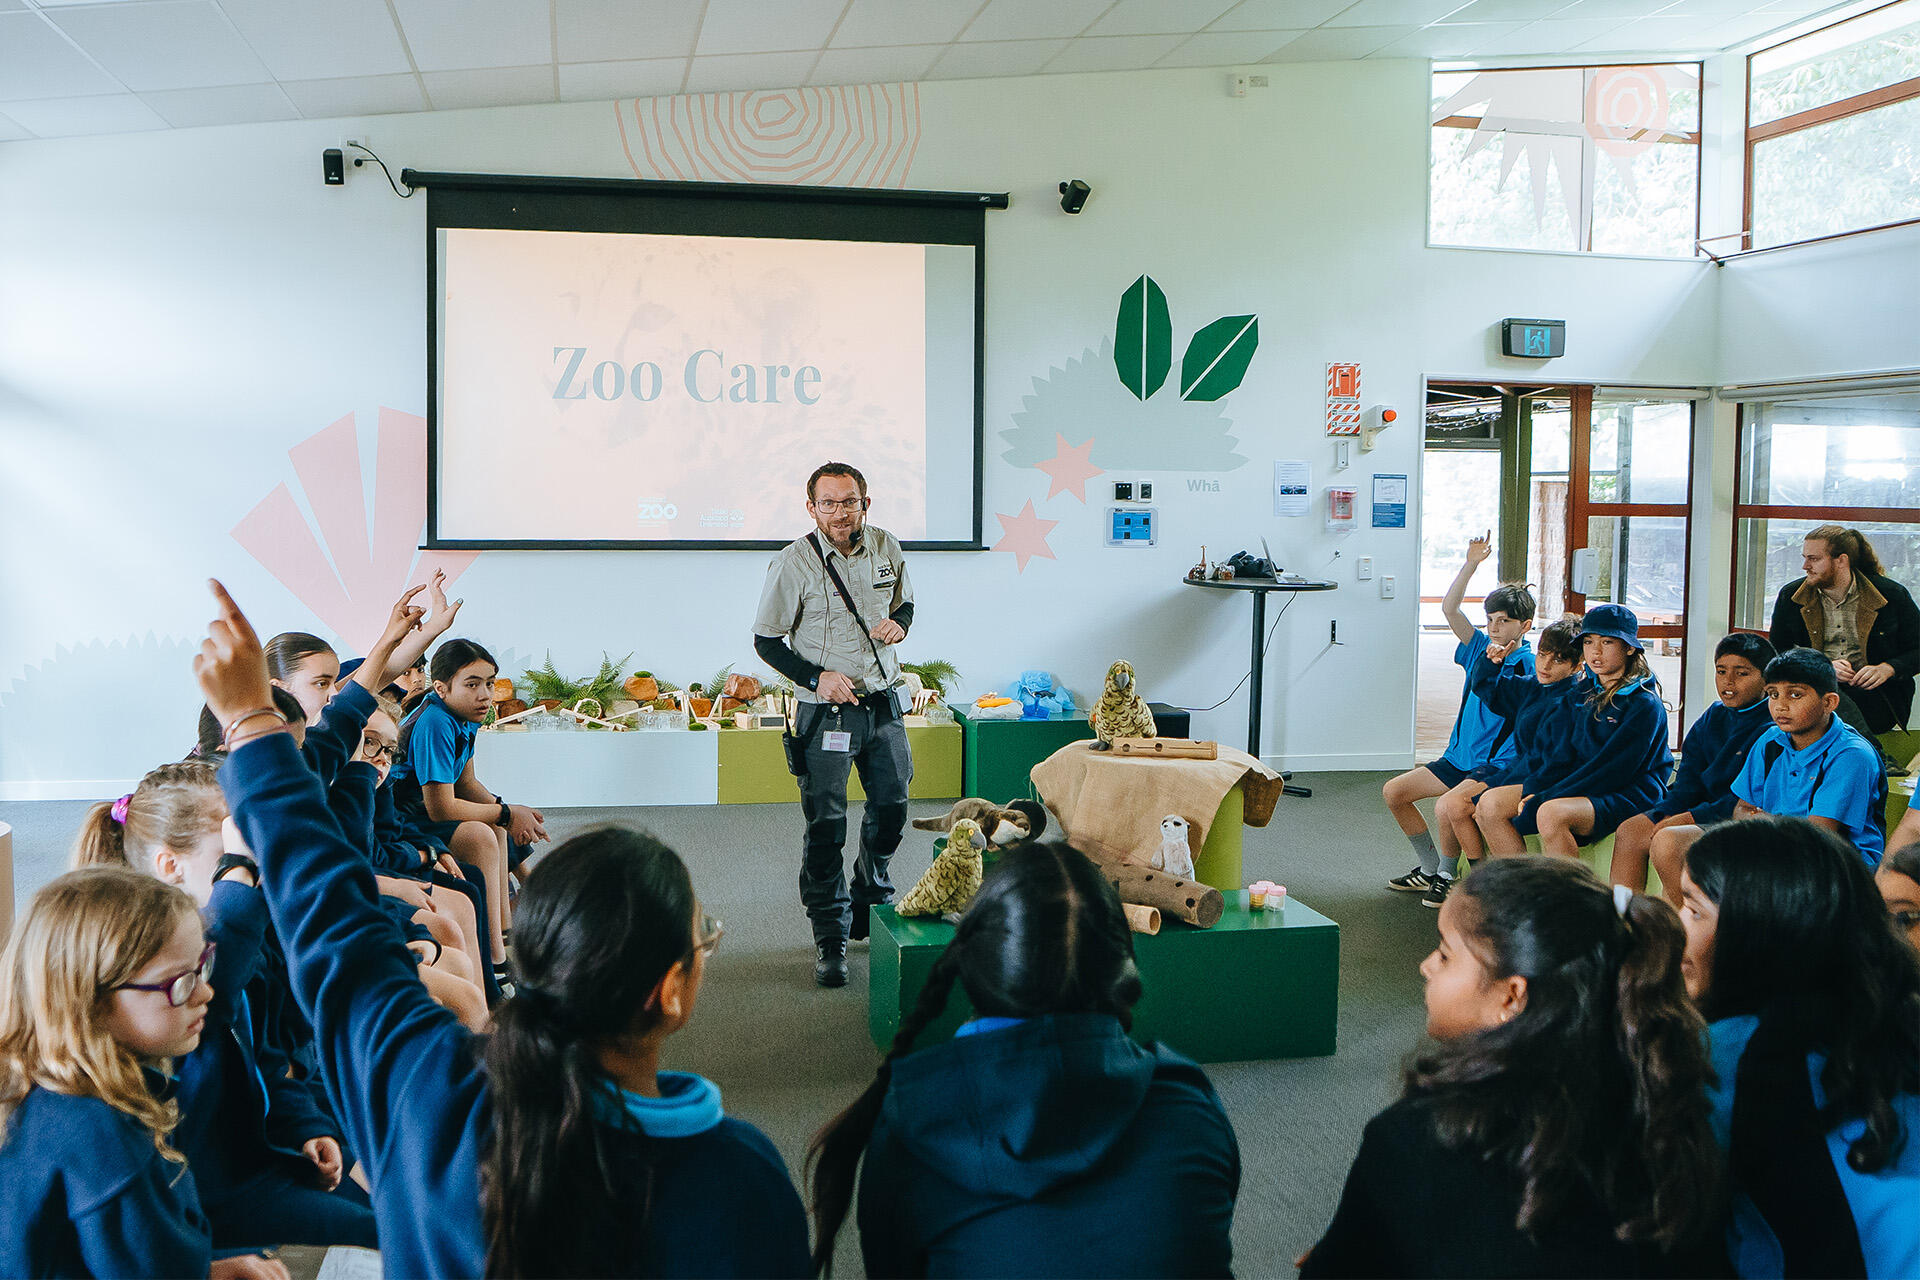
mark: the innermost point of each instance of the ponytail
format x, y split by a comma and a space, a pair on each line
102, 838
173, 807
833, 1157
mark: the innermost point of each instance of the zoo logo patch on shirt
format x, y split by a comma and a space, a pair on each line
883, 575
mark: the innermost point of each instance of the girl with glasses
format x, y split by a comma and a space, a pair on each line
557, 1145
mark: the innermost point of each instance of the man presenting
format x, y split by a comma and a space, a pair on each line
835, 603
1847, 608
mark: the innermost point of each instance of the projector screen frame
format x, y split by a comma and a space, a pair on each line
501, 197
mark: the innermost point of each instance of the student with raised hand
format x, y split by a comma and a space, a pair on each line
1898, 879
1481, 743
103, 984
557, 1146
1557, 1122
1711, 757
1613, 759
1814, 1003
1040, 1140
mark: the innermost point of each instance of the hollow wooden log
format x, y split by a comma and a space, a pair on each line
1181, 897
1142, 919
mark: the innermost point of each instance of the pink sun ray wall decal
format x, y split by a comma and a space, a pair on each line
839, 135
350, 571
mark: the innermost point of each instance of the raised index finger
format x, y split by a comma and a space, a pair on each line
230, 613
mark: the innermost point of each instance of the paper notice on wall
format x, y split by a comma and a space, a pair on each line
1389, 502
1292, 477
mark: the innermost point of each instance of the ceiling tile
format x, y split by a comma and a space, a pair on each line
1277, 15
647, 78
36, 61
68, 117
753, 26
1150, 17
1225, 48
187, 45
1507, 10
1453, 40
750, 71
455, 35
875, 22
875, 66
1582, 9
625, 30
355, 96
9, 6
1553, 36
1113, 53
1723, 9
223, 104
1380, 13
994, 58
489, 87
1653, 35
1751, 27
320, 41
1339, 44
10, 131
1025, 20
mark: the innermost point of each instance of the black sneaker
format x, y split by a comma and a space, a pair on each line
862, 922
1437, 891
1415, 881
830, 963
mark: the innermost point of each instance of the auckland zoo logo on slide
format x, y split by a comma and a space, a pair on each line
1139, 428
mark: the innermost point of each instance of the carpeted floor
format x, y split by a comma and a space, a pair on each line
788, 1055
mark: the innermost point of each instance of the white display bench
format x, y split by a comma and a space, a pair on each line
600, 770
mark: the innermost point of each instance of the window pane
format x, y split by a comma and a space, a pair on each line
1642, 564
1460, 492
1640, 451
1647, 203
1862, 452
1472, 204
1767, 557
1870, 52
1858, 171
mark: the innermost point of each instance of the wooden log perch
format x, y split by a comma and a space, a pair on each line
1142, 919
1182, 898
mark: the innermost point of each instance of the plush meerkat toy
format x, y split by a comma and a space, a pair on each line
1001, 824
1175, 855
953, 879
1121, 711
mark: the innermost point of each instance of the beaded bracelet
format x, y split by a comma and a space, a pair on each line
244, 739
227, 735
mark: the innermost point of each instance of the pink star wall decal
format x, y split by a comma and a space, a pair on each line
1025, 535
1070, 467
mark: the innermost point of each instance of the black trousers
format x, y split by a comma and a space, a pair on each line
877, 747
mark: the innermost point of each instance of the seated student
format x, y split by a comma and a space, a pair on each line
435, 790
1809, 764
265, 1154
1612, 760
1711, 757
1040, 1140
1814, 1004
1480, 742
1908, 831
1557, 1124
1898, 879
556, 1146
102, 984
1534, 706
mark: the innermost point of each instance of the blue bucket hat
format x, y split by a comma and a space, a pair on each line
1614, 620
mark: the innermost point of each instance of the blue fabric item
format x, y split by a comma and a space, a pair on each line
980, 1026
333, 738
88, 1194
688, 1105
1481, 735
1618, 751
1056, 1147
1711, 756
1879, 1207
415, 1097
1838, 776
1536, 712
1038, 689
1615, 620
435, 746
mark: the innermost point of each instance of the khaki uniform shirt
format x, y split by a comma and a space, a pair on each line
800, 605
1841, 641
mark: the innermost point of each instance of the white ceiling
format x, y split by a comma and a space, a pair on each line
116, 66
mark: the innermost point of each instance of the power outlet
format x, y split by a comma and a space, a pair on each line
1386, 586
1366, 568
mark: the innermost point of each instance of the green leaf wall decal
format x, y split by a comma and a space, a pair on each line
1143, 338
1217, 358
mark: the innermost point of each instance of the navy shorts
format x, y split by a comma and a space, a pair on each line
1451, 775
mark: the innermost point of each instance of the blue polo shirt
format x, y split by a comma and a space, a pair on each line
1480, 734
435, 746
1839, 777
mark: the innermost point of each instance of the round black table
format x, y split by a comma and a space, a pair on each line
1260, 588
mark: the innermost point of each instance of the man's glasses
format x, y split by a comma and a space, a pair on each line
839, 504
180, 988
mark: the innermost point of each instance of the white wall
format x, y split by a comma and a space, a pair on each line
178, 310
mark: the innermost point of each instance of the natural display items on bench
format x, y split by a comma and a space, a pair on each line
1142, 919
1006, 824
1121, 711
1181, 897
1167, 748
950, 883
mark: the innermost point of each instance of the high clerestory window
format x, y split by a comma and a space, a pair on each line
1833, 129
1574, 159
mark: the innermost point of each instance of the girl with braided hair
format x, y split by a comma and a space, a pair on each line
1040, 1140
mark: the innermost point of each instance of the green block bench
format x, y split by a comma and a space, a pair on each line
1000, 754
1257, 985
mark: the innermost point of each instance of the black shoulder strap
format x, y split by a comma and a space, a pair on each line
833, 575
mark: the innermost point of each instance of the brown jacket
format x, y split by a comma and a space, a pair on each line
1889, 632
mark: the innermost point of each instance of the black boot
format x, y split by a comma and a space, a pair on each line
862, 922
830, 962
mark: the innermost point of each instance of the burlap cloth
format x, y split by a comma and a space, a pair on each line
1110, 805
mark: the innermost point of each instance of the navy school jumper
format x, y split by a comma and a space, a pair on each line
88, 1193
1711, 757
416, 1101
1535, 710
1615, 755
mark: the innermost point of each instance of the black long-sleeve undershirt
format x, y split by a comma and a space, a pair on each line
778, 654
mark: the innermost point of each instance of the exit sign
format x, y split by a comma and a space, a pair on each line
1533, 339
